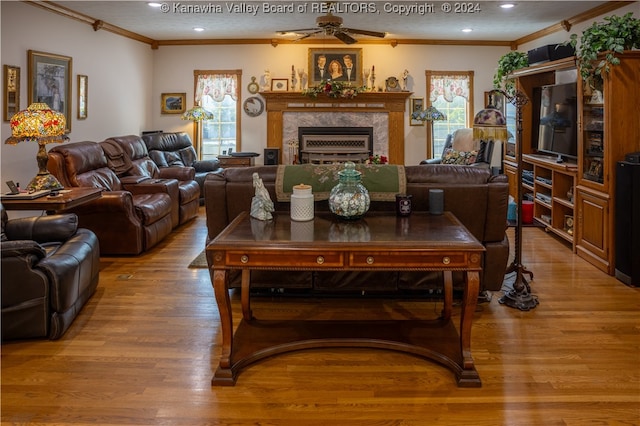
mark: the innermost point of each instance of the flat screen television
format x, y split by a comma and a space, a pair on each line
558, 131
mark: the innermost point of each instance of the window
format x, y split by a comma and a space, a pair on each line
451, 92
217, 92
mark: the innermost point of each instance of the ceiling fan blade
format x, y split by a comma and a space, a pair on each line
301, 30
365, 32
345, 38
307, 35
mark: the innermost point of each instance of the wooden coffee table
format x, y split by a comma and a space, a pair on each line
379, 242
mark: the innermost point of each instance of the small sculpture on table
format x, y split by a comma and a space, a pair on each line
261, 204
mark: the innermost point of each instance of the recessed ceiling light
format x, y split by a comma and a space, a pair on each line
198, 29
507, 5
467, 30
154, 4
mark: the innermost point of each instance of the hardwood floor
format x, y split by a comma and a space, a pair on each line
143, 350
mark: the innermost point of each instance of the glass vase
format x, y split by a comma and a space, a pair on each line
349, 199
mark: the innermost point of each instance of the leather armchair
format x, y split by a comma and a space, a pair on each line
179, 181
50, 268
129, 218
461, 140
176, 150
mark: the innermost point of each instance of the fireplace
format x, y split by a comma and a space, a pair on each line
384, 111
321, 145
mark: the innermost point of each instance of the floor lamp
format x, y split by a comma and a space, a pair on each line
197, 114
429, 115
520, 296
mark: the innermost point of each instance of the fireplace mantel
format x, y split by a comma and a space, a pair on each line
391, 103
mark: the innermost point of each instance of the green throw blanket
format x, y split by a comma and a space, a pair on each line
383, 181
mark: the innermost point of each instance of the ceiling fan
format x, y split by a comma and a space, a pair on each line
331, 25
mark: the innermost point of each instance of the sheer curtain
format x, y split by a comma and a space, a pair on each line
218, 93
451, 92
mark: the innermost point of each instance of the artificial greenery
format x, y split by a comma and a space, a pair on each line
507, 64
613, 36
334, 89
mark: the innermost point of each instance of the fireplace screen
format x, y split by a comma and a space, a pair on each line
322, 145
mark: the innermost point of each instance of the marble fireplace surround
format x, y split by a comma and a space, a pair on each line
384, 111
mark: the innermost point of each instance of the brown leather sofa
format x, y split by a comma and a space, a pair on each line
180, 181
130, 217
477, 198
50, 268
176, 150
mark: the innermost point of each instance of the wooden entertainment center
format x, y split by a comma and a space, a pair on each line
576, 199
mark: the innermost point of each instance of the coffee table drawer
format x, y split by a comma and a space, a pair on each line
408, 260
294, 258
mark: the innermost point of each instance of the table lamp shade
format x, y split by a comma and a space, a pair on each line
490, 124
197, 113
429, 114
39, 123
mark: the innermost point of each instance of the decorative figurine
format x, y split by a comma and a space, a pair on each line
267, 80
261, 204
405, 77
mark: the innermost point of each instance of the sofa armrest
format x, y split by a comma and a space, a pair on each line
215, 201
43, 229
206, 165
132, 180
179, 173
498, 203
22, 248
153, 186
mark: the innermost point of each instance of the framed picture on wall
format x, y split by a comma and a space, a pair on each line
50, 82
11, 91
173, 103
335, 64
416, 105
83, 93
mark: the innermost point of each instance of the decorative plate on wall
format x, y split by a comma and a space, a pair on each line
253, 106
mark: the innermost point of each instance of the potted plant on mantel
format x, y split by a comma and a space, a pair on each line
611, 37
507, 64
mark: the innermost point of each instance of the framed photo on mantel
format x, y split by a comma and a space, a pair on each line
344, 65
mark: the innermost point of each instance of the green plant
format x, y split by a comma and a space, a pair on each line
613, 36
507, 64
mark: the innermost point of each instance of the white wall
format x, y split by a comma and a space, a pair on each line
120, 79
174, 65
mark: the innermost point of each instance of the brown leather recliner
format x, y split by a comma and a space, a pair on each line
176, 150
181, 186
50, 268
129, 218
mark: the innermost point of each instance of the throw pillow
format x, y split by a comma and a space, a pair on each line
452, 156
